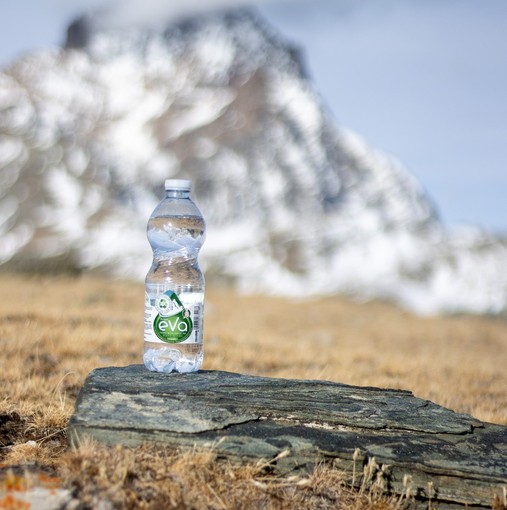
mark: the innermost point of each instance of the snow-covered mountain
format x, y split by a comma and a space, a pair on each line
294, 205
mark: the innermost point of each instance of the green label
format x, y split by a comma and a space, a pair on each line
173, 324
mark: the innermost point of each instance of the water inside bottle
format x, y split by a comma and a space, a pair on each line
175, 233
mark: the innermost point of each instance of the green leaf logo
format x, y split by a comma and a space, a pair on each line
173, 324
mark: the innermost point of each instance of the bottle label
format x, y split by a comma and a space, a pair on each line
169, 321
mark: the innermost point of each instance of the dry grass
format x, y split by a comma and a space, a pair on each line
54, 330
154, 477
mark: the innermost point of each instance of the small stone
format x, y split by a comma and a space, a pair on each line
39, 498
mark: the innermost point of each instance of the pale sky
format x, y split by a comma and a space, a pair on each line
423, 80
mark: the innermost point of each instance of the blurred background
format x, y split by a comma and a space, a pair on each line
335, 146
424, 81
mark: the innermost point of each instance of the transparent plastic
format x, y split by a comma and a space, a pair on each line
176, 232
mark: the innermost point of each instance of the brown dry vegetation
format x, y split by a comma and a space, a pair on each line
54, 330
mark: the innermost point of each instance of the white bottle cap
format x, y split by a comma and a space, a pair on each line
178, 184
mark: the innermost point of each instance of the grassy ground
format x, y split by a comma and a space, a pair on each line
54, 330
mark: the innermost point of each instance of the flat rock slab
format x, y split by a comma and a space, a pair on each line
441, 455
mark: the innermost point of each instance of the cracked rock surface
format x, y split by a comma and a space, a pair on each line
249, 417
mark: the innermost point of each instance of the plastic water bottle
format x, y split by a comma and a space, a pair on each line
174, 299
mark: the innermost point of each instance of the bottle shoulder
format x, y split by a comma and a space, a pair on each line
176, 207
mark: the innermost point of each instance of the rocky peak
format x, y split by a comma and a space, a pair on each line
294, 205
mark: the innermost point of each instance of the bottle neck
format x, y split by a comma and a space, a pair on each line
177, 193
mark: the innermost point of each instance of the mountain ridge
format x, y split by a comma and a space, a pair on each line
294, 204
